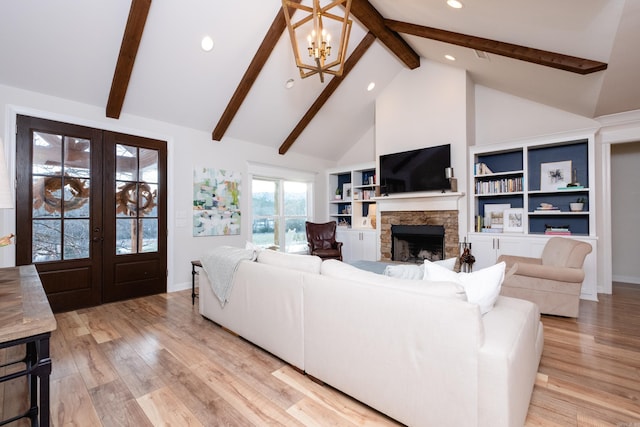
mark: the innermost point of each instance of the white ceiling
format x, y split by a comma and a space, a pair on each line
69, 48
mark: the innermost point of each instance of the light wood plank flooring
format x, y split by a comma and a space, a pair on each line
155, 361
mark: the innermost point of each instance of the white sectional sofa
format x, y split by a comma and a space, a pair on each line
414, 350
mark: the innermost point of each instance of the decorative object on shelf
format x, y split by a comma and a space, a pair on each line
313, 32
372, 215
546, 207
466, 259
493, 215
6, 240
578, 205
346, 191
338, 195
448, 173
574, 179
555, 175
513, 220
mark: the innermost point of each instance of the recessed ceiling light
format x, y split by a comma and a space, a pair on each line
289, 83
371, 86
455, 4
206, 43
450, 57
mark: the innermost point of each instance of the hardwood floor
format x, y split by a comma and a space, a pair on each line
155, 361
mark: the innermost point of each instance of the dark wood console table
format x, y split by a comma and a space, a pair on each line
26, 319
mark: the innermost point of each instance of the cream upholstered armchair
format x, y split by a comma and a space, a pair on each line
553, 281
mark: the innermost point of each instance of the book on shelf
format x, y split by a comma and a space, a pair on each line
482, 169
558, 230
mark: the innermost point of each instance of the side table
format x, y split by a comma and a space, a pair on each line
194, 264
26, 320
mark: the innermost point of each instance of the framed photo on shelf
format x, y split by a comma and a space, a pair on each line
346, 191
555, 175
493, 215
513, 220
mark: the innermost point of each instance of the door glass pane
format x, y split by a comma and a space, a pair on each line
149, 229
126, 195
47, 196
76, 197
126, 236
61, 186
148, 199
47, 154
47, 240
76, 239
126, 163
77, 161
136, 197
148, 165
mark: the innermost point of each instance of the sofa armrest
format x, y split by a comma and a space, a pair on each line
560, 274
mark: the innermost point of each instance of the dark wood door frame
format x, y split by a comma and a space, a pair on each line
102, 277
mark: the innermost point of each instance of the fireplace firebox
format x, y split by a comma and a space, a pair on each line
415, 243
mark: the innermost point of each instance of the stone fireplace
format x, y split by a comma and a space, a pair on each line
415, 243
435, 238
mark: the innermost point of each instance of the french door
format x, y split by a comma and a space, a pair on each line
90, 212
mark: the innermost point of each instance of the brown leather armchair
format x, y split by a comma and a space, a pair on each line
321, 239
553, 281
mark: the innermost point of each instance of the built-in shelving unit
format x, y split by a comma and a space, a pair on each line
357, 187
357, 190
540, 179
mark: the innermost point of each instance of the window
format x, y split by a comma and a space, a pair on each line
279, 211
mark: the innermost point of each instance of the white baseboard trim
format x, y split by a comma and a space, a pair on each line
178, 286
626, 279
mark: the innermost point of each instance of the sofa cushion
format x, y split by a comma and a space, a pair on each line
482, 286
339, 269
305, 263
415, 271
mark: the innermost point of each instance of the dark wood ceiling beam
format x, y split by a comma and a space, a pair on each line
128, 50
536, 56
278, 26
331, 87
368, 16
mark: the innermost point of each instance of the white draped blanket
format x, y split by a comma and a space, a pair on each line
220, 264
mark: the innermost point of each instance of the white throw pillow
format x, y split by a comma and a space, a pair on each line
405, 271
482, 286
448, 263
340, 270
413, 271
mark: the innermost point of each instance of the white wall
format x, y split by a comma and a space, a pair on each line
362, 151
501, 117
187, 148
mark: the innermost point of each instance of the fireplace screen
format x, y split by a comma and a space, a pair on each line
415, 243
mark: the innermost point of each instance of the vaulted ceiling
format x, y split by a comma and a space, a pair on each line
70, 49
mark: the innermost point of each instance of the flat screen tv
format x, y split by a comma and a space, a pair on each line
415, 170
